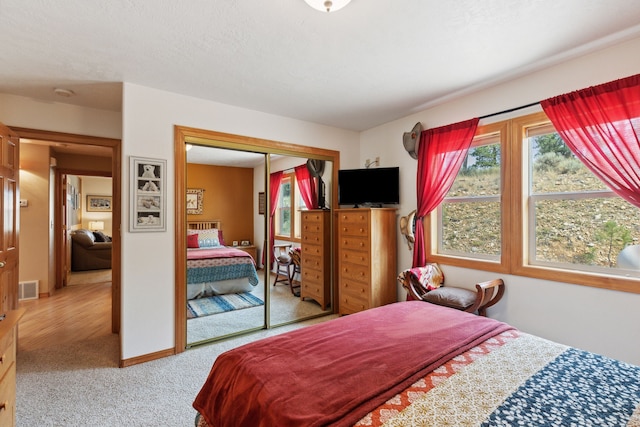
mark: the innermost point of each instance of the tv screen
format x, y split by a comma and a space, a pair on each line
371, 187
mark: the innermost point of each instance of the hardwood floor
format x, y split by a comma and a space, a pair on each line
74, 313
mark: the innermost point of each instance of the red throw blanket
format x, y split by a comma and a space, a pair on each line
336, 372
217, 252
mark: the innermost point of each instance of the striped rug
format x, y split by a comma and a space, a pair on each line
200, 307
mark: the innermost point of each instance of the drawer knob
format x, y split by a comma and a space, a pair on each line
2, 359
4, 405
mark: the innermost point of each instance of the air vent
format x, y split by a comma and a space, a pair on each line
28, 290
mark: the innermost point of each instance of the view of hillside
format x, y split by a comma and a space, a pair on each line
586, 231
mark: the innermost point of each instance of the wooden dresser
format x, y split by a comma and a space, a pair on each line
315, 266
8, 336
366, 258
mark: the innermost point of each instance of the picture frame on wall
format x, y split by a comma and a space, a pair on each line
194, 201
98, 203
148, 194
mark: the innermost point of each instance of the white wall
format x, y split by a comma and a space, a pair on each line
149, 117
599, 320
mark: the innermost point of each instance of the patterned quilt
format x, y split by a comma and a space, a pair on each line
205, 270
516, 379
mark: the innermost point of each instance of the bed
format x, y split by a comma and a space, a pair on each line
413, 363
214, 268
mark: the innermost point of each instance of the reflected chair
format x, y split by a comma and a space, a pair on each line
285, 266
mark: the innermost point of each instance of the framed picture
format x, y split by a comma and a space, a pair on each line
148, 194
98, 203
245, 243
194, 201
261, 203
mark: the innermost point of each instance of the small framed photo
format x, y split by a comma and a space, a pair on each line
98, 203
194, 201
235, 243
245, 243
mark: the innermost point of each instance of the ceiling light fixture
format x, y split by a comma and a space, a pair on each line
327, 5
66, 93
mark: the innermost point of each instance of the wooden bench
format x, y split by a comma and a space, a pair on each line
485, 295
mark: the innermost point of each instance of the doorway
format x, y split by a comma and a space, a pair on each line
67, 148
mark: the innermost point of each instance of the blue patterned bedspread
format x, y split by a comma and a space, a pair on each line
528, 381
199, 272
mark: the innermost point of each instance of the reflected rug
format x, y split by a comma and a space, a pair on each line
200, 307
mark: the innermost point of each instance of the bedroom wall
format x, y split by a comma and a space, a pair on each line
227, 197
149, 116
34, 220
594, 319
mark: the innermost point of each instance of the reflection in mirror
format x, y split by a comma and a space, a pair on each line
225, 291
300, 278
231, 182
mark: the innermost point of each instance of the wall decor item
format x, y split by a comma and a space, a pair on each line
194, 201
98, 203
148, 194
261, 203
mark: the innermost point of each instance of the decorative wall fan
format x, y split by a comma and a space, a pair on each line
410, 140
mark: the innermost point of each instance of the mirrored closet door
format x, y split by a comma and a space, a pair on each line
228, 288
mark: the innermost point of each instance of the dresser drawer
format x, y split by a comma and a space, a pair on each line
356, 272
354, 289
312, 250
7, 353
313, 217
312, 290
312, 238
355, 257
354, 229
352, 304
8, 397
353, 244
312, 276
312, 263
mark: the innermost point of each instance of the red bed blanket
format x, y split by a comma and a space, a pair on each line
217, 252
336, 372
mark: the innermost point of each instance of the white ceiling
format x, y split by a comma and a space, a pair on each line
372, 62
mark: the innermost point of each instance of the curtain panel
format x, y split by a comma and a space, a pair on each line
307, 186
274, 192
440, 155
601, 126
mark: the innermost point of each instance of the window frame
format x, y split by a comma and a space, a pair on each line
294, 210
516, 221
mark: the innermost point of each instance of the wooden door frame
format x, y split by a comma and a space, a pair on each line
184, 135
116, 185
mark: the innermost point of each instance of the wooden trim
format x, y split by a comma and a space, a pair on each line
515, 224
146, 358
183, 135
116, 215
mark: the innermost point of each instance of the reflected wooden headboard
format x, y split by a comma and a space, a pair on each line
202, 225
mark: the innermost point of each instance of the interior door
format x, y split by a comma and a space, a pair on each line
9, 179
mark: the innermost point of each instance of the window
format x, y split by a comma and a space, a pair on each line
288, 210
574, 221
523, 204
469, 218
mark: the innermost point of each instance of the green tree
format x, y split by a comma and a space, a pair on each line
613, 236
551, 143
486, 156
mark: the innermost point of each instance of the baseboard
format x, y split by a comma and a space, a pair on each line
146, 358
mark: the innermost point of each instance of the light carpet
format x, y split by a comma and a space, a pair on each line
81, 385
207, 306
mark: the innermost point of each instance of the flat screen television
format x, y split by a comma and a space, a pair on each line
369, 187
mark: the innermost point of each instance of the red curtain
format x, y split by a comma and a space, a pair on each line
440, 154
274, 191
601, 126
307, 186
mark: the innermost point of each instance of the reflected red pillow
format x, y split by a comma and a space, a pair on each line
192, 241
